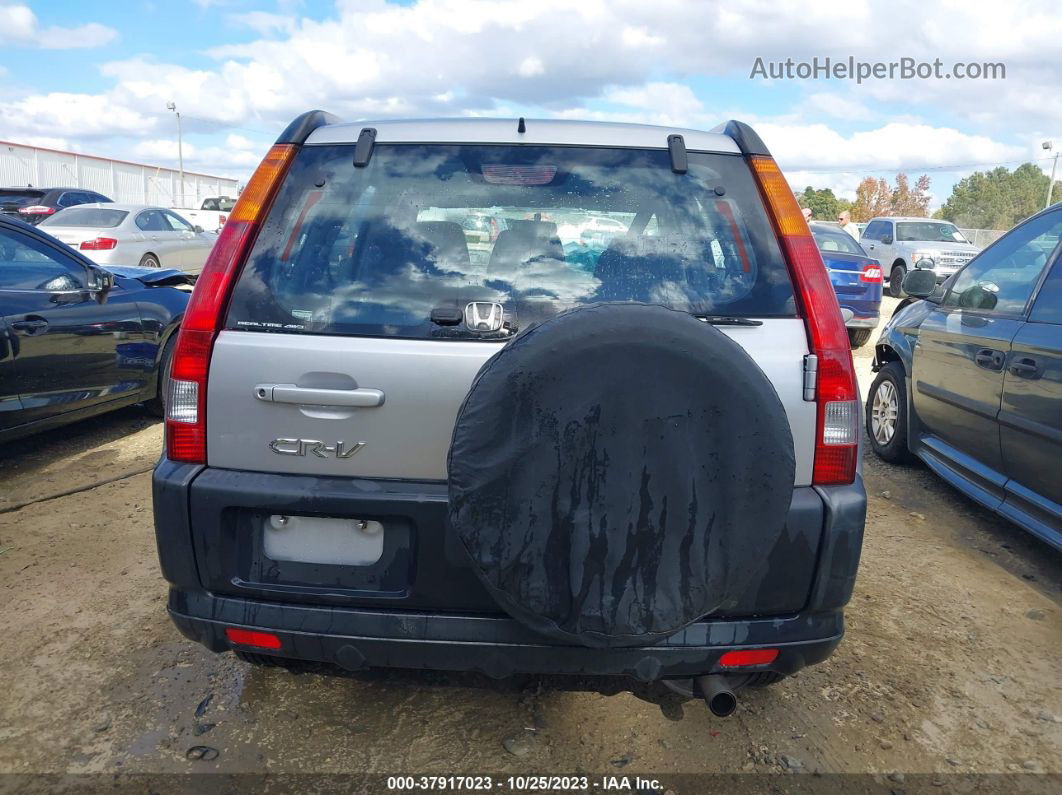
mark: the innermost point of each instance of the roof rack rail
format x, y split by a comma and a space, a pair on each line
744, 136
299, 130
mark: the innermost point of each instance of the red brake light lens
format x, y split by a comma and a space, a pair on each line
743, 657
871, 273
250, 637
36, 209
837, 431
98, 244
186, 406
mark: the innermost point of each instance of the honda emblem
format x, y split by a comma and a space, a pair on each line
484, 316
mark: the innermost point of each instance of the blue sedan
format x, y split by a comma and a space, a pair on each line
969, 379
856, 278
76, 339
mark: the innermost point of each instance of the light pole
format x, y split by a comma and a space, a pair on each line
180, 146
1050, 185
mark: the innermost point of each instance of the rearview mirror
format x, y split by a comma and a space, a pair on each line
197, 228
886, 240
919, 283
979, 296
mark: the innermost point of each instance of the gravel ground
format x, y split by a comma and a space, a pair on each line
951, 663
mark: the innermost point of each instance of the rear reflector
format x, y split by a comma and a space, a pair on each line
98, 244
249, 637
738, 659
836, 440
186, 411
871, 273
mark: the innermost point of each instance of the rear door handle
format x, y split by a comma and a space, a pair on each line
289, 393
1025, 367
30, 324
990, 359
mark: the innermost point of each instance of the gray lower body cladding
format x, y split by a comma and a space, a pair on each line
421, 605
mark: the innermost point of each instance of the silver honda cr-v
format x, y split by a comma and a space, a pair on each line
514, 396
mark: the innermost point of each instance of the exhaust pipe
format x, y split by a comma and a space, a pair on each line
716, 692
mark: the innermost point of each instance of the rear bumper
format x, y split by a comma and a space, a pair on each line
866, 321
494, 645
441, 618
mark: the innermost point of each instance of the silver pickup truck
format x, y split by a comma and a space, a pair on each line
901, 244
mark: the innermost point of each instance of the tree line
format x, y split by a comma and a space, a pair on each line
996, 199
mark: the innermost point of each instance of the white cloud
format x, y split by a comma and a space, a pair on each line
19, 27
607, 59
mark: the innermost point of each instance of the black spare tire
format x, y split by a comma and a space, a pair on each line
618, 472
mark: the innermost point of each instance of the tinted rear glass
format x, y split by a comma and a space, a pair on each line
86, 216
374, 250
835, 240
20, 198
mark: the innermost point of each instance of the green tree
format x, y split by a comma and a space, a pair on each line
823, 204
998, 199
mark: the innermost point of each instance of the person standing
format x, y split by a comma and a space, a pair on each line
845, 220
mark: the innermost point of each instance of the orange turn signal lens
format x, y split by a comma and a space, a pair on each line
788, 218
259, 190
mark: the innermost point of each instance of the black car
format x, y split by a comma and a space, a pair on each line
33, 205
970, 378
77, 340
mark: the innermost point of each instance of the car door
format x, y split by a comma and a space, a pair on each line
869, 239
1030, 419
66, 339
159, 237
963, 350
193, 246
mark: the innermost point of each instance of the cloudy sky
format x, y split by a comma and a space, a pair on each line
96, 77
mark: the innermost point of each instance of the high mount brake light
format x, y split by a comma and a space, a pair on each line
37, 209
186, 403
837, 424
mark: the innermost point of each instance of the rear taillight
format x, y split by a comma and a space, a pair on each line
186, 404
98, 244
36, 209
871, 273
837, 428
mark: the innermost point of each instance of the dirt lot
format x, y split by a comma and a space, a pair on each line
951, 663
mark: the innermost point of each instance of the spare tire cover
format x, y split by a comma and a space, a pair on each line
618, 472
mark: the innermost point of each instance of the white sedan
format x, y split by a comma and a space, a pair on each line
132, 234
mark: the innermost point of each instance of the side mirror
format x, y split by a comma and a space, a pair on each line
100, 280
197, 228
886, 240
919, 283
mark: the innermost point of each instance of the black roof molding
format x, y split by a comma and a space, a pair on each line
299, 130
744, 136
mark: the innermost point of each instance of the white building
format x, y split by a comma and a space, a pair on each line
22, 165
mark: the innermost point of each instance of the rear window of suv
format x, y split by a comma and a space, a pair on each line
538, 229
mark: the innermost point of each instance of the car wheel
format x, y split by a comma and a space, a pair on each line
887, 415
150, 261
157, 405
896, 281
858, 337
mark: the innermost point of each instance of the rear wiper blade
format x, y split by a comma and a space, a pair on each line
723, 320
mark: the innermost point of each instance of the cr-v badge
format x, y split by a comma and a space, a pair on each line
303, 446
484, 316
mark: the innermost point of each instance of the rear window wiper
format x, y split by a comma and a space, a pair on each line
723, 320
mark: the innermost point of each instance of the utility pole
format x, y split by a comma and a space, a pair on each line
180, 146
1054, 166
